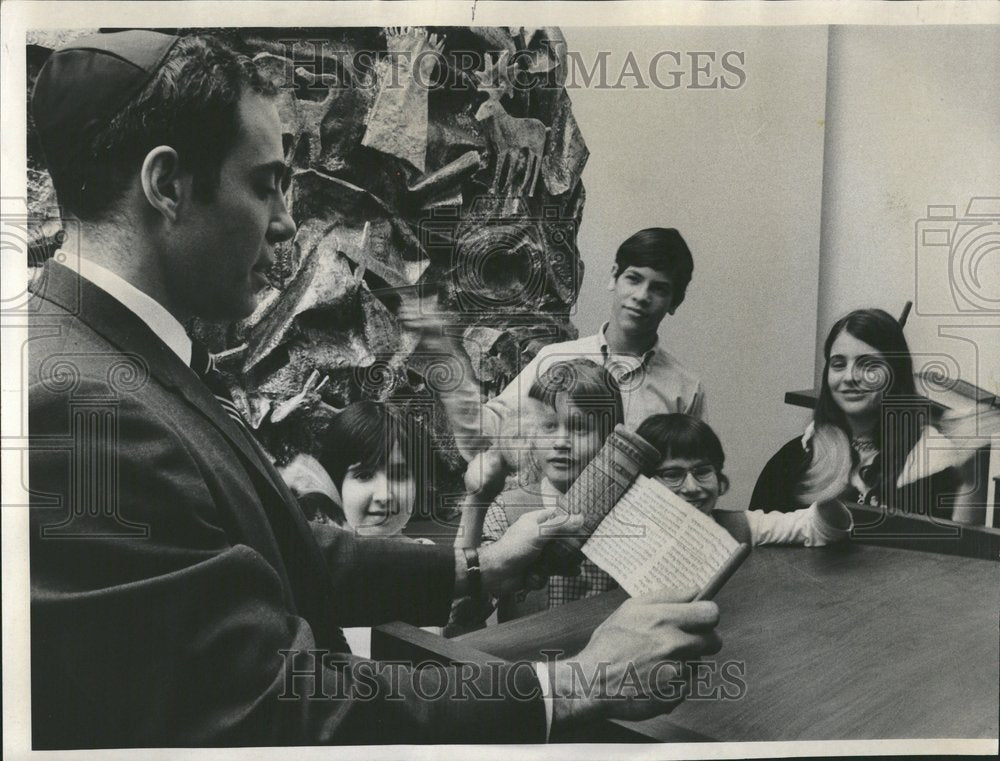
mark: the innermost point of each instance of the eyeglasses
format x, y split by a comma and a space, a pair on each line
674, 477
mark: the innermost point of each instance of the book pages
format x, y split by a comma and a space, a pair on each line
653, 539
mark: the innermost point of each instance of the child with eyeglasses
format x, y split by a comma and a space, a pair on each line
692, 469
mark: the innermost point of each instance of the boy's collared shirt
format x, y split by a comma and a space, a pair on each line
652, 384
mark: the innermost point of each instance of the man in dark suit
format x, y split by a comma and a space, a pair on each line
179, 597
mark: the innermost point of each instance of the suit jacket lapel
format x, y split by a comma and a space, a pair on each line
107, 316
302, 558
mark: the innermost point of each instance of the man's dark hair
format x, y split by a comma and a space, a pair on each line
191, 104
659, 248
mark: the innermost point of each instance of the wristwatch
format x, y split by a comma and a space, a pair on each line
473, 572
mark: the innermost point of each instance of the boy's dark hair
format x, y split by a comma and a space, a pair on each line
659, 248
685, 437
191, 104
588, 385
364, 434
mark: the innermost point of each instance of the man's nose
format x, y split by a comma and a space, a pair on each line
282, 226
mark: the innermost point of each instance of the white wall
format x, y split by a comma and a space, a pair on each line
913, 119
739, 173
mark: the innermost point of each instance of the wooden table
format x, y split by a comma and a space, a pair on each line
859, 642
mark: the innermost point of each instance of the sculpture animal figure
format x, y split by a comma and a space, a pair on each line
510, 136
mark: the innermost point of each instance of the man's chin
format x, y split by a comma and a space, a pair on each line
234, 315
225, 307
244, 306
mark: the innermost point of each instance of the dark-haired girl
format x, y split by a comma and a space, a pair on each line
868, 431
371, 458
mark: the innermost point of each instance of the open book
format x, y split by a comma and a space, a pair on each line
640, 532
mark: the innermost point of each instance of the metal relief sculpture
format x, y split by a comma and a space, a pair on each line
517, 143
439, 164
397, 122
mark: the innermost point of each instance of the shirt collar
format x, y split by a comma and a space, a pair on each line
917, 465
807, 436
166, 327
602, 342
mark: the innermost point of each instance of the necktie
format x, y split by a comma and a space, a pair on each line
300, 585
204, 366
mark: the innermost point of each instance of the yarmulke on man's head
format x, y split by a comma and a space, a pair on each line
102, 102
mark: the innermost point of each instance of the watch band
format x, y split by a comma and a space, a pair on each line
473, 572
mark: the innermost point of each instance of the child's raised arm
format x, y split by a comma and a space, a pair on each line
484, 480
472, 423
819, 524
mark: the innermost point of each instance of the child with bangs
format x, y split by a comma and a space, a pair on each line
371, 458
578, 405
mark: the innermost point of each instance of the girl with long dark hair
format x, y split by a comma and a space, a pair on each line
865, 442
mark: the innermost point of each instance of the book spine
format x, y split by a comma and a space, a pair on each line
716, 583
602, 483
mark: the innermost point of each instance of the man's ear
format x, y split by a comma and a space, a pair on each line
161, 181
723, 484
614, 277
